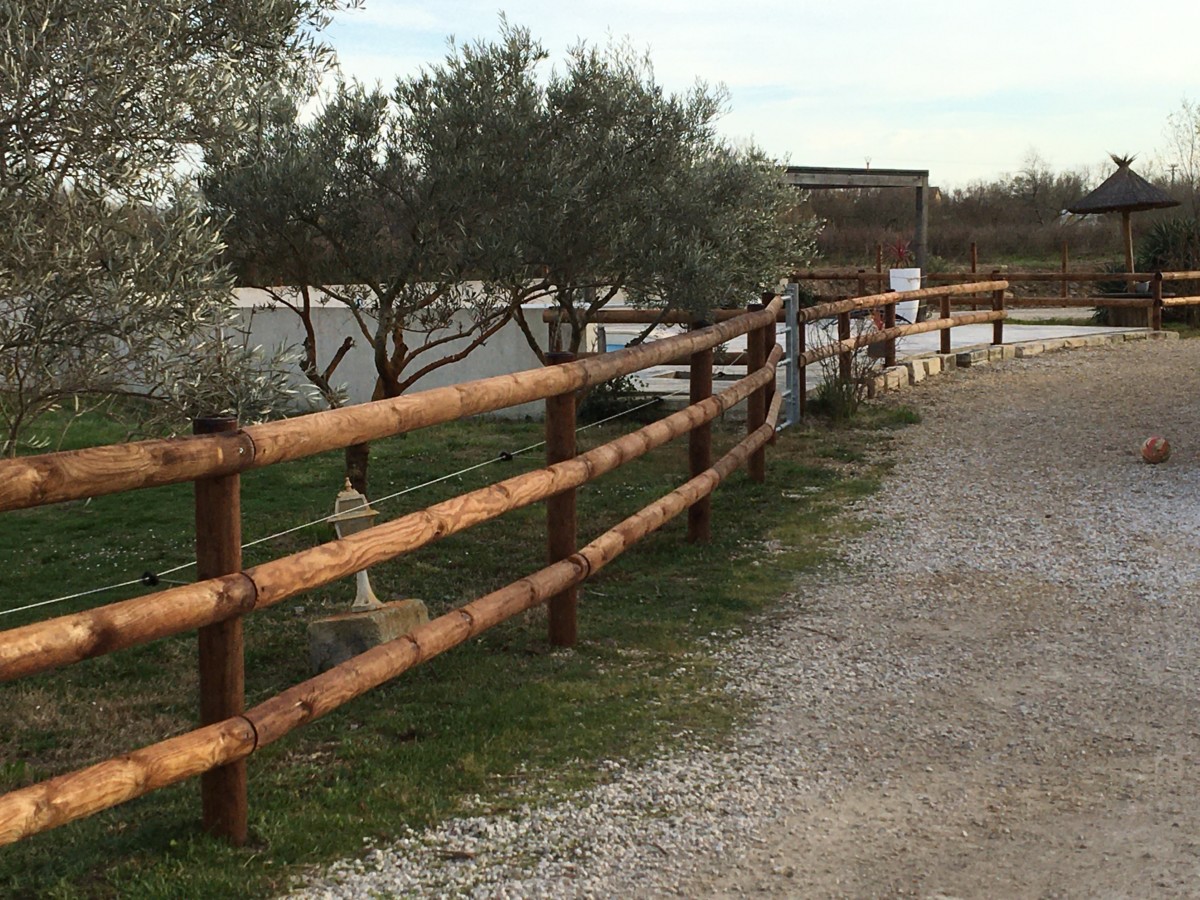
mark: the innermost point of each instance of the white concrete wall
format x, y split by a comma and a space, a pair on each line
506, 351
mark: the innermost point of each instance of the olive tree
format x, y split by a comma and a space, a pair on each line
402, 206
636, 195
432, 212
108, 264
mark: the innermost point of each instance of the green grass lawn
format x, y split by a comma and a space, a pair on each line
505, 717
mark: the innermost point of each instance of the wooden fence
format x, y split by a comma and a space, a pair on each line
1153, 300
225, 592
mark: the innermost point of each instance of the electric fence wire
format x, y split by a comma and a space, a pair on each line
151, 579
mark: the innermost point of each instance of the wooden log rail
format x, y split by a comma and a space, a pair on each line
222, 744
833, 348
74, 795
76, 474
56, 642
1032, 277
967, 277
1154, 302
1079, 302
633, 316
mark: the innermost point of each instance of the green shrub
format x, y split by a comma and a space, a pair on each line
1173, 245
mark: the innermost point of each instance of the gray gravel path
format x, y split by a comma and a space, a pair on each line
998, 699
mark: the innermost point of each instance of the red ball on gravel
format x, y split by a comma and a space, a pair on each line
1156, 449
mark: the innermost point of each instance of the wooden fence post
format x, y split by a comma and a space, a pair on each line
998, 325
889, 346
1064, 268
845, 357
561, 526
944, 346
974, 268
756, 404
223, 798
700, 443
998, 303
1156, 311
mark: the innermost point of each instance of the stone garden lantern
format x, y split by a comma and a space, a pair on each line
352, 513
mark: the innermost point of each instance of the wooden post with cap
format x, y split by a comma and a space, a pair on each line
1156, 311
561, 523
756, 403
998, 325
223, 795
700, 441
944, 343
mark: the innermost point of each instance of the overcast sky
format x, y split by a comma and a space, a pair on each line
963, 88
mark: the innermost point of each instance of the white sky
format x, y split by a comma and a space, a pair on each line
963, 88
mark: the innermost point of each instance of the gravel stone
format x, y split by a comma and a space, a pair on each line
991, 694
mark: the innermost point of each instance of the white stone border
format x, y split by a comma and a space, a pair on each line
917, 368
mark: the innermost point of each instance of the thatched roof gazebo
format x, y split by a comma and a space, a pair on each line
1126, 192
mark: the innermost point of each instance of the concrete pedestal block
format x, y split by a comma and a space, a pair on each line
967, 358
335, 639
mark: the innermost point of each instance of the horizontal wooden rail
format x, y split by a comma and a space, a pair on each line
966, 276
76, 474
60, 641
969, 277
847, 274
825, 351
1079, 302
309, 700
1181, 301
874, 301
632, 316
955, 277
81, 793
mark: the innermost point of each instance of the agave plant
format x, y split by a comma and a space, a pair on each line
901, 255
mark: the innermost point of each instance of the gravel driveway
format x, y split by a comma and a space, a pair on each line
996, 696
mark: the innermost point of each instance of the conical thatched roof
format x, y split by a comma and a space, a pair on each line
1123, 191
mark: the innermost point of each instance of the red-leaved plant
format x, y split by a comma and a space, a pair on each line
901, 256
